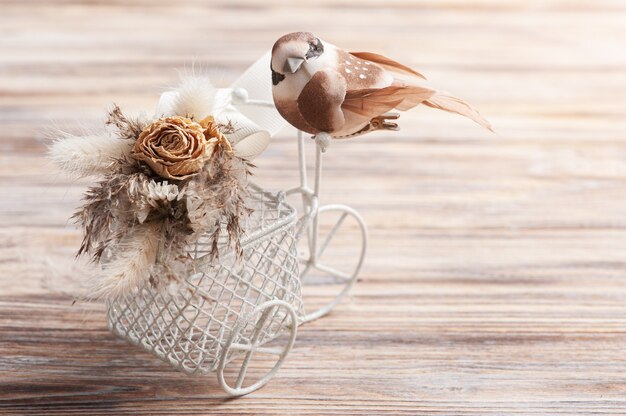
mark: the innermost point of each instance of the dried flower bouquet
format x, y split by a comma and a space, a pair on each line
162, 184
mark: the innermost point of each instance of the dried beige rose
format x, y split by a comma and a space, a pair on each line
177, 147
211, 131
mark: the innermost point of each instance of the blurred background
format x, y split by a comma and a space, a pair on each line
494, 281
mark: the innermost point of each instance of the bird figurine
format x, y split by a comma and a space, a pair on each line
318, 87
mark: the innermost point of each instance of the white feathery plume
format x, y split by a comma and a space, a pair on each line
87, 155
195, 97
131, 263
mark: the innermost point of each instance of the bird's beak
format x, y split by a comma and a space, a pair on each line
292, 65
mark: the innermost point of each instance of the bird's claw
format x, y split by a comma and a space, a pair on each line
381, 122
377, 123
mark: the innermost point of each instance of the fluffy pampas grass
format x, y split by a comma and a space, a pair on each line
130, 264
82, 156
195, 97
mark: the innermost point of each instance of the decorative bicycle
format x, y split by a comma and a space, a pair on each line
231, 310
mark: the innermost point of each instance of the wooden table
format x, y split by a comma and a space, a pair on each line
495, 280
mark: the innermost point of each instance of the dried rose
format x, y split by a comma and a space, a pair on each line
212, 132
175, 147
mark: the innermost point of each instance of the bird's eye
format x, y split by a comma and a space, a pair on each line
316, 48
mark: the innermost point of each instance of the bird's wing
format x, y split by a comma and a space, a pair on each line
373, 102
320, 101
388, 64
405, 92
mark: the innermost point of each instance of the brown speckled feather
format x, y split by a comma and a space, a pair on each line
360, 74
386, 63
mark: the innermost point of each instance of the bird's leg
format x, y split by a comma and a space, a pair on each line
377, 123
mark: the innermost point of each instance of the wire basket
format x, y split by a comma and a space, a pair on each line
229, 306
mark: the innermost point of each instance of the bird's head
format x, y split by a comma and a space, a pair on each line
291, 51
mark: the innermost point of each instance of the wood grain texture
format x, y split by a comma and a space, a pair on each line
495, 281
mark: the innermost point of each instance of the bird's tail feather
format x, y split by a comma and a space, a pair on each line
443, 101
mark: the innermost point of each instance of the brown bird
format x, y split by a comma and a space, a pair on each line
318, 87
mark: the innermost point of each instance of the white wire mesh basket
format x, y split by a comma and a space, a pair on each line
228, 307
